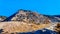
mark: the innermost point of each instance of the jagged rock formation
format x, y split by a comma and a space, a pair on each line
28, 16
2, 18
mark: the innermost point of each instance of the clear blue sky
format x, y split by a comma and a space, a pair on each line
49, 7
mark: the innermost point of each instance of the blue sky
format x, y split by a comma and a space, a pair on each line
48, 7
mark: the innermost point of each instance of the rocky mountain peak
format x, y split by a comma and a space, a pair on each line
28, 16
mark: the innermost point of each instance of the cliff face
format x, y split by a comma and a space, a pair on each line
2, 18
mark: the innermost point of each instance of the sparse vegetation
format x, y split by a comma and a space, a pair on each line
15, 26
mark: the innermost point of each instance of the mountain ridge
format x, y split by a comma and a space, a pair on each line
27, 15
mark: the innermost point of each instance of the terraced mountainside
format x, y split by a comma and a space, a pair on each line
27, 21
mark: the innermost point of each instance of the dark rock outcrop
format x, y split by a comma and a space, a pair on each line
2, 18
57, 28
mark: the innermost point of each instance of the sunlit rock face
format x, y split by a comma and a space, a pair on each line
2, 18
28, 16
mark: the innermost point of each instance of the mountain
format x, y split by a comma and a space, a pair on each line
2, 18
53, 18
28, 16
29, 21
57, 16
